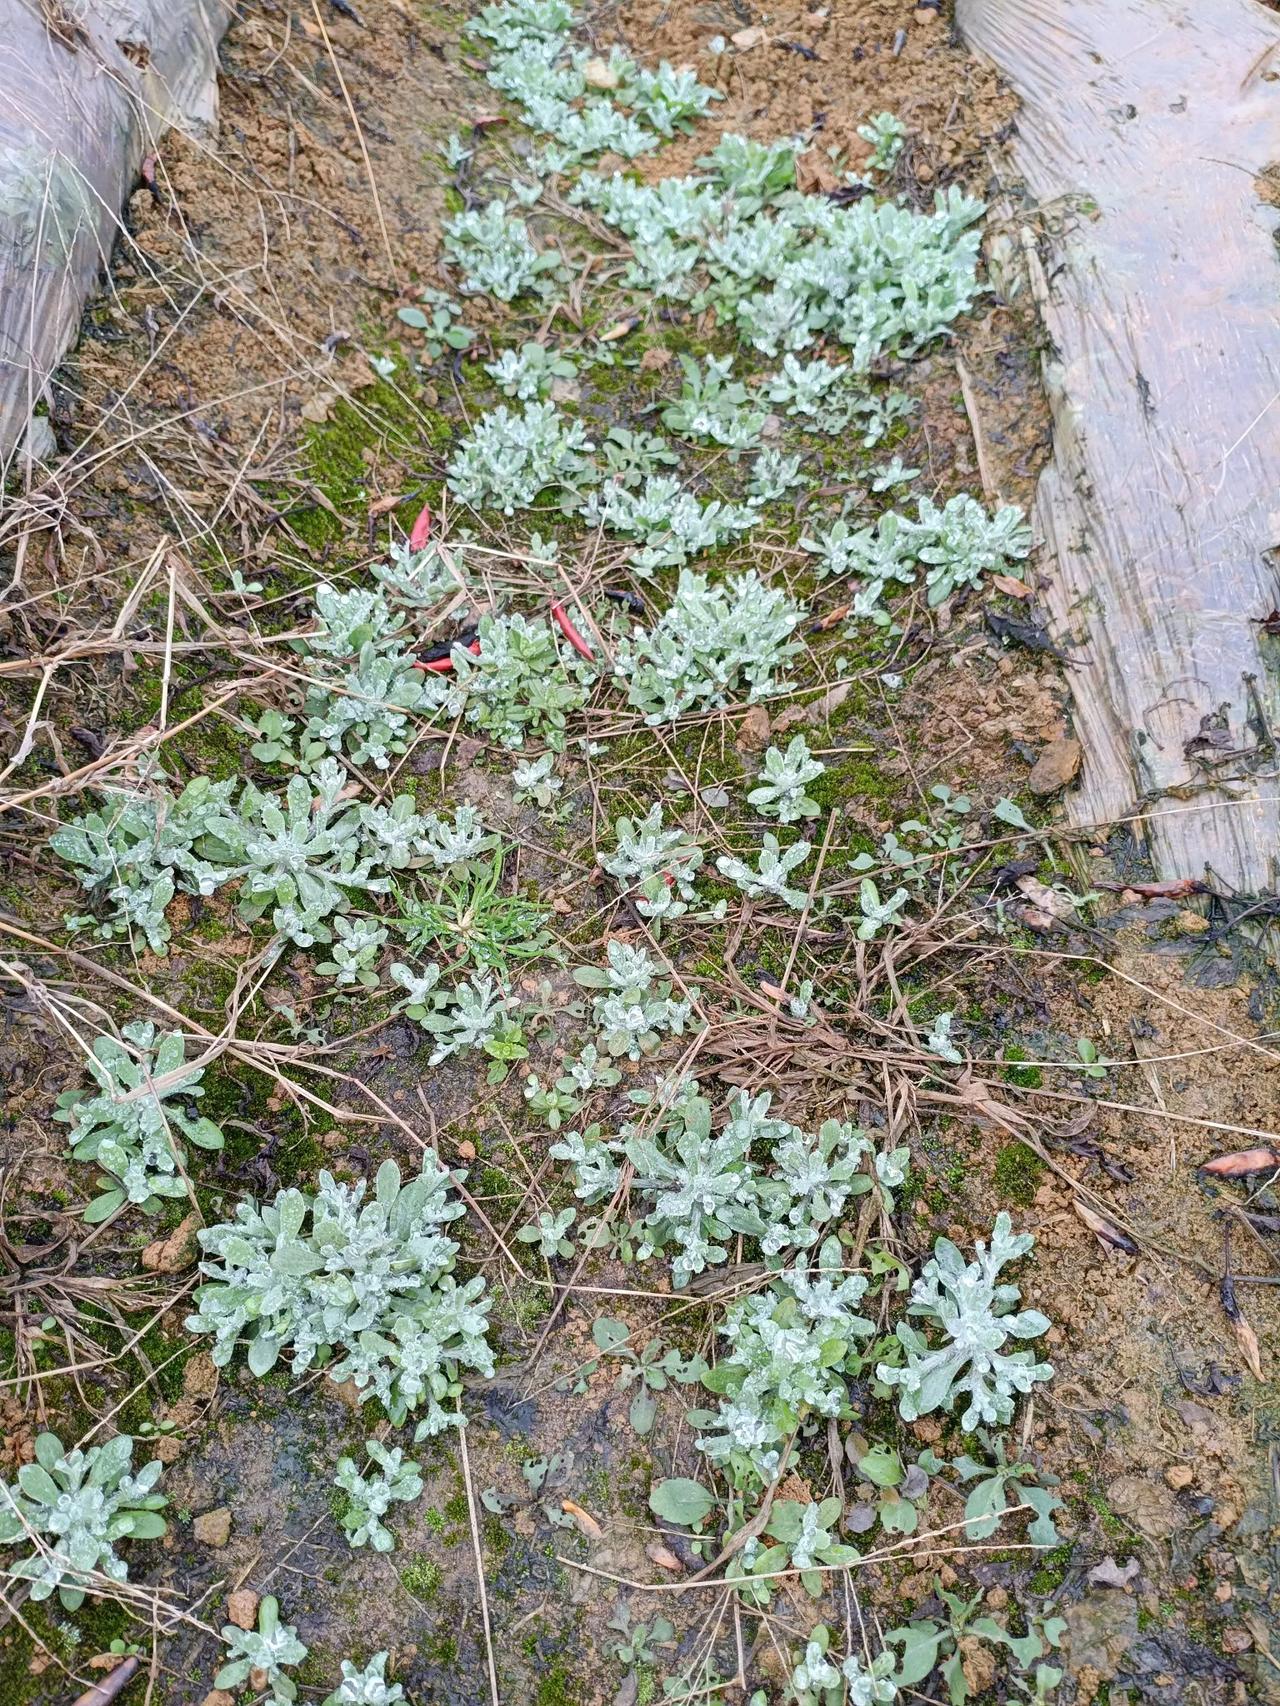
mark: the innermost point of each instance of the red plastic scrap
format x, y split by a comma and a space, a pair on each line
561, 619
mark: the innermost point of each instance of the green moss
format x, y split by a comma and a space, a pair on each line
1051, 1570
1018, 1173
422, 1577
554, 1689
1026, 1077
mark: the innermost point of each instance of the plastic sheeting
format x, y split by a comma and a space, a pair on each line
86, 89
1144, 128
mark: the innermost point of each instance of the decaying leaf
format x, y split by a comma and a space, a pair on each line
815, 711
1045, 899
1246, 1338
1010, 586
663, 1557
1103, 1229
583, 1520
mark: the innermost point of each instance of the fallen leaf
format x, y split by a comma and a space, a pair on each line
1010, 587
1052, 901
1242, 1161
753, 730
1056, 766
663, 1557
585, 1523
1246, 1338
816, 711
486, 121
1109, 1574
655, 358
1103, 1229
382, 506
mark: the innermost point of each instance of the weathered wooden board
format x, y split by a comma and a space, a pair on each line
1145, 128
85, 92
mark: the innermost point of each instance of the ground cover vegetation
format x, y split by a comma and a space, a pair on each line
556, 632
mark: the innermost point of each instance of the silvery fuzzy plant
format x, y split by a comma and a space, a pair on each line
424, 578
671, 524
139, 846
656, 865
636, 1010
258, 1656
790, 1351
968, 1305
134, 1125
550, 1232
300, 854
354, 953
366, 1277
367, 1686
530, 371
466, 1015
822, 1679
76, 1505
783, 777
509, 458
768, 881
534, 782
364, 710
396, 1480
493, 251
711, 642
713, 405
522, 685
700, 1186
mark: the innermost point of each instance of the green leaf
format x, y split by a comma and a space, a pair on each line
682, 1501
103, 1207
1011, 814
413, 317
882, 1466
644, 1408
608, 1334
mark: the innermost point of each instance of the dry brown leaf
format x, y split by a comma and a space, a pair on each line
1103, 1229
585, 1523
1011, 587
753, 730
663, 1557
1247, 1340
382, 506
814, 173
815, 711
1045, 899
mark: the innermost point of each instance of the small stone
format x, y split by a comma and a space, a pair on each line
1179, 1476
1189, 923
170, 1255
242, 1608
1058, 764
1236, 1640
599, 74
218, 1697
745, 40
213, 1528
753, 730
